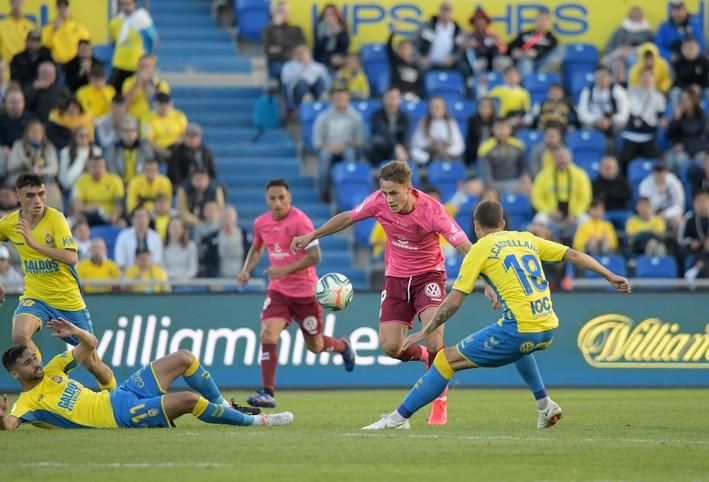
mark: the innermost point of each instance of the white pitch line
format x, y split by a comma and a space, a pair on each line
502, 438
117, 465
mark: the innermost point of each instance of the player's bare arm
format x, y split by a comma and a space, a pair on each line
584, 261
252, 259
7, 422
66, 256
87, 342
445, 311
336, 224
312, 257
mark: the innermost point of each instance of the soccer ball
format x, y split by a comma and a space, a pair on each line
334, 291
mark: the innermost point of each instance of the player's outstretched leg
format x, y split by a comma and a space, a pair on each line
271, 329
321, 343
549, 412
181, 403
446, 363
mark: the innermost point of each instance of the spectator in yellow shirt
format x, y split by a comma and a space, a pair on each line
98, 194
154, 276
145, 188
133, 35
645, 230
62, 36
98, 268
165, 126
596, 235
514, 99
352, 77
140, 89
13, 31
66, 118
96, 97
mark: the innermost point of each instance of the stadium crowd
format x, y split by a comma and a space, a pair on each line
607, 151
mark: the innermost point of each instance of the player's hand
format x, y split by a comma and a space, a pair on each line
243, 278
491, 295
620, 283
61, 328
23, 227
275, 272
412, 339
3, 405
301, 242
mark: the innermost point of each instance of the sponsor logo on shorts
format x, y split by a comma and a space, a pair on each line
310, 325
153, 412
491, 343
433, 291
526, 347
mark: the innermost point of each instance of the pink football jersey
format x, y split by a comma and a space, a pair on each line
412, 245
276, 235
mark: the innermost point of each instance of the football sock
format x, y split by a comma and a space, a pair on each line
333, 344
429, 387
412, 353
110, 386
218, 413
269, 362
527, 368
202, 382
429, 362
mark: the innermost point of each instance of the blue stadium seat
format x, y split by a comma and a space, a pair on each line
352, 182
362, 231
586, 142
580, 55
445, 175
518, 209
576, 81
493, 80
530, 138
589, 162
109, 234
656, 267
614, 263
464, 217
618, 217
453, 264
104, 53
538, 83
365, 108
376, 66
416, 111
307, 113
444, 83
639, 169
252, 16
461, 111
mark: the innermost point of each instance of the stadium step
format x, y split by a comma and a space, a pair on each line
253, 150
221, 119
169, 35
217, 92
222, 64
217, 135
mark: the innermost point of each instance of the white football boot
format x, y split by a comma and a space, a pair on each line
387, 422
549, 416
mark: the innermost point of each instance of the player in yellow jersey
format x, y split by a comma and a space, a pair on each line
51, 399
510, 262
48, 253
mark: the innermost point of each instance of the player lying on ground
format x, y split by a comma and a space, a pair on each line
48, 253
510, 261
291, 287
51, 399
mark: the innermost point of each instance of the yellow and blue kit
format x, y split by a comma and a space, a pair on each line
511, 262
61, 402
52, 289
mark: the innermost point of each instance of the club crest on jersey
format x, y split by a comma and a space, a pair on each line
310, 325
433, 291
57, 379
48, 239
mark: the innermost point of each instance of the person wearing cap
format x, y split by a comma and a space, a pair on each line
78, 69
13, 31
74, 158
10, 278
140, 89
96, 97
536, 49
144, 269
679, 25
129, 153
99, 268
133, 35
485, 49
195, 194
164, 126
666, 194
146, 187
24, 66
188, 155
98, 194
108, 127
62, 36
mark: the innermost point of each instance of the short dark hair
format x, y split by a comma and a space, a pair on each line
9, 358
432, 190
489, 214
97, 71
598, 202
510, 69
152, 160
701, 192
83, 41
277, 183
643, 199
396, 171
28, 180
118, 99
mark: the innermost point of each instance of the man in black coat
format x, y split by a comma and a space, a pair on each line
24, 66
77, 70
390, 130
610, 186
190, 155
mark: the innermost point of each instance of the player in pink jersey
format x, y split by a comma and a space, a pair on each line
415, 277
291, 287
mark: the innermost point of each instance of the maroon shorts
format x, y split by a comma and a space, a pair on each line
404, 298
307, 312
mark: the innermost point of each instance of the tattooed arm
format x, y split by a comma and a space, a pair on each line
447, 309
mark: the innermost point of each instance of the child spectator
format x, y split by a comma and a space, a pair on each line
96, 98
479, 128
501, 161
596, 236
331, 38
303, 78
154, 277
180, 253
665, 193
279, 39
73, 158
98, 268
98, 195
694, 237
437, 136
555, 110
649, 59
645, 230
687, 131
352, 77
515, 101
406, 75
62, 36
485, 49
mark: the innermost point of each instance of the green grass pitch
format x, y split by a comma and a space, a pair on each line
624, 434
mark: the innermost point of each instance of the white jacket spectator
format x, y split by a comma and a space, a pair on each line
140, 234
666, 194
604, 105
302, 75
